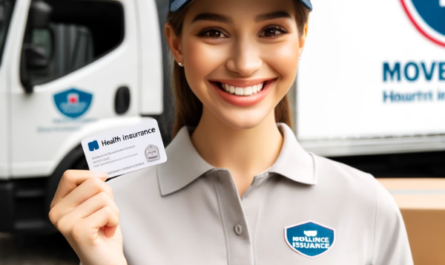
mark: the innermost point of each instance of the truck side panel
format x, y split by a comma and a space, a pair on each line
5, 116
49, 123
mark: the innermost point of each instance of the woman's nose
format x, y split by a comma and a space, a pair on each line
244, 59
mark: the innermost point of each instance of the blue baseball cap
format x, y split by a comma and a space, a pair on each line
176, 5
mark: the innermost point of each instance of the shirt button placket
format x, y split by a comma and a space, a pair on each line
233, 218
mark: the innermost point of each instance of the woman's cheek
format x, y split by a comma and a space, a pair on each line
201, 59
283, 59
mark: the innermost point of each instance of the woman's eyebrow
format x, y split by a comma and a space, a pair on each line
273, 15
213, 17
228, 19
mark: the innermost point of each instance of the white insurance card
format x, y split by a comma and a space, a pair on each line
125, 150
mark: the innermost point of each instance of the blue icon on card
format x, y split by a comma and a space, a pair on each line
94, 145
309, 239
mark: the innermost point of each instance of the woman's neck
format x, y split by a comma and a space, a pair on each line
245, 153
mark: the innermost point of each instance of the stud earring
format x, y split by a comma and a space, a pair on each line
180, 64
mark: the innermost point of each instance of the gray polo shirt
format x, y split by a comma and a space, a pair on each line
305, 209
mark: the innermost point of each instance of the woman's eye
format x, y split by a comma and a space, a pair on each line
213, 33
272, 32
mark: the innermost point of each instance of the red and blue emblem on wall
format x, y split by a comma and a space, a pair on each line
73, 103
428, 17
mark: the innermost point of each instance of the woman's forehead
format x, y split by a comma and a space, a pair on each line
235, 8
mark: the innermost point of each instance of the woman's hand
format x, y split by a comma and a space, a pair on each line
83, 210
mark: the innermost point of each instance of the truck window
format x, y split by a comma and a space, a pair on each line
79, 33
6, 7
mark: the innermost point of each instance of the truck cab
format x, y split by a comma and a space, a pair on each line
68, 70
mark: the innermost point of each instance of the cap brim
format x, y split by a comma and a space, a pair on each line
177, 5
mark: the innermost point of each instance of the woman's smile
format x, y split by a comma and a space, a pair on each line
242, 87
243, 93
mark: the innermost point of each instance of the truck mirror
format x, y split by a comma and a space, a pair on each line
39, 15
36, 57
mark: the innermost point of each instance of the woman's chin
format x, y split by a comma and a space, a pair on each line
242, 120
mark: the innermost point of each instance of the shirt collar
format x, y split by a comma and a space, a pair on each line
185, 165
294, 162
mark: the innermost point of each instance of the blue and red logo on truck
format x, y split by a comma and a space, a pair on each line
428, 17
73, 103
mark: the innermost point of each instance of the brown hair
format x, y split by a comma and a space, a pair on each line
188, 107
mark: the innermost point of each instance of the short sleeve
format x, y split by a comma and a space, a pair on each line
391, 245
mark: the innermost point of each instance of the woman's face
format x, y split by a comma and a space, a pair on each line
240, 56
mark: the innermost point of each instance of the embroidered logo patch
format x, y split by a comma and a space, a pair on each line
309, 239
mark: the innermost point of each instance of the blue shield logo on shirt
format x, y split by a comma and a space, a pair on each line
428, 17
309, 239
73, 103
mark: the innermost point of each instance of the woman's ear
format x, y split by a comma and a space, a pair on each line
303, 38
174, 42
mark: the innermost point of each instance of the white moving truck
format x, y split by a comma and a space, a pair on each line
69, 69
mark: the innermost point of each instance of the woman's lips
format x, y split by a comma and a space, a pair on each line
244, 83
243, 93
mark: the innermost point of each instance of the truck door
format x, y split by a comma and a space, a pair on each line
66, 76
6, 8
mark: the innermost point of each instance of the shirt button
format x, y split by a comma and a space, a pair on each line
238, 229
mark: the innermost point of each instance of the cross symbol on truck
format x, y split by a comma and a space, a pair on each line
73, 98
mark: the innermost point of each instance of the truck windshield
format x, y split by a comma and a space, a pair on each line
6, 7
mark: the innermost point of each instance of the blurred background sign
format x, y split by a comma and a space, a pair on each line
372, 78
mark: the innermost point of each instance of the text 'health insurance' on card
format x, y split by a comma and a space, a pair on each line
125, 150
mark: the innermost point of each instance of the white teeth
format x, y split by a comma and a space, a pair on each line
239, 91
232, 89
242, 91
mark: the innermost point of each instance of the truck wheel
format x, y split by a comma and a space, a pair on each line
74, 160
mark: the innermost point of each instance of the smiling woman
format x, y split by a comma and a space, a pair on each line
190, 110
237, 187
